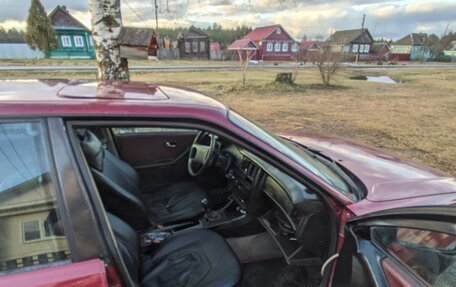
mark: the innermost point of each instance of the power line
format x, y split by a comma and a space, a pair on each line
134, 11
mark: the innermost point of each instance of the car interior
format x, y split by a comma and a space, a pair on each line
191, 208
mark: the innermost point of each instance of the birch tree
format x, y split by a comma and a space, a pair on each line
106, 24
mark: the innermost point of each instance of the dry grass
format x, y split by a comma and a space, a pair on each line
416, 118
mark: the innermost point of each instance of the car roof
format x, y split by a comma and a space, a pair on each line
89, 97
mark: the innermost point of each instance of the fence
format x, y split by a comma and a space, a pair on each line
168, 54
18, 51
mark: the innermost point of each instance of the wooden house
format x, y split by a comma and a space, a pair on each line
245, 49
309, 50
194, 44
74, 40
380, 51
273, 42
352, 43
137, 43
412, 47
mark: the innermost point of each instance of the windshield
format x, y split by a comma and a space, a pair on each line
295, 153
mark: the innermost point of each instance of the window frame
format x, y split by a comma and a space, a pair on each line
175, 121
59, 198
202, 46
66, 41
78, 38
285, 47
277, 47
431, 218
269, 47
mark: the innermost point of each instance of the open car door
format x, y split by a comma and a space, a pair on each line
399, 247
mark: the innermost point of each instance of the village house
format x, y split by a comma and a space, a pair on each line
451, 51
273, 42
74, 40
352, 43
412, 47
137, 43
194, 44
309, 50
380, 51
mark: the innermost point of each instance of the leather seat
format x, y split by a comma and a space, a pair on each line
119, 187
197, 257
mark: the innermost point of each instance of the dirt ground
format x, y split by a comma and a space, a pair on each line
415, 118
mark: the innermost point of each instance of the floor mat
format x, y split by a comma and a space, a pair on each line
274, 273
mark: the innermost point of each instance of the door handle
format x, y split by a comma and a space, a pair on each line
170, 144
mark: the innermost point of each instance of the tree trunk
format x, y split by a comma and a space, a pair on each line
106, 24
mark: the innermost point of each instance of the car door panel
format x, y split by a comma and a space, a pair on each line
159, 157
89, 273
403, 247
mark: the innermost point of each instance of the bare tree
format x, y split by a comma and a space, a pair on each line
106, 24
329, 63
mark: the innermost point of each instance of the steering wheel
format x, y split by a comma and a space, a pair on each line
201, 153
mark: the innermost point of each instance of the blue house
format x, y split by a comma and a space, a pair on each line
413, 47
74, 40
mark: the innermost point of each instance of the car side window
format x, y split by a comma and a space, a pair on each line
31, 232
430, 255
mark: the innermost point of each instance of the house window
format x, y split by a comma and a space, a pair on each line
277, 47
269, 47
366, 48
78, 41
355, 48
279, 31
195, 47
202, 47
91, 41
361, 48
66, 41
187, 47
31, 230
284, 47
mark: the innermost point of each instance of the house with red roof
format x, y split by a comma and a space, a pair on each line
273, 43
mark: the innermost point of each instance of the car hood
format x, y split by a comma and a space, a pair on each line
385, 176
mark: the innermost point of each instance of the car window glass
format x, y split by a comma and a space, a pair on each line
31, 232
428, 254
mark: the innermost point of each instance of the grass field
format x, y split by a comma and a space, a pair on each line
415, 119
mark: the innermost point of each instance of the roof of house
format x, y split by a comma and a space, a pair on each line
133, 36
62, 19
243, 44
307, 44
193, 32
418, 39
348, 36
260, 33
377, 46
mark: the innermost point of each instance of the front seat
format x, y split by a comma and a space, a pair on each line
197, 257
119, 187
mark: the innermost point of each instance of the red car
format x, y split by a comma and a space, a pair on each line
135, 184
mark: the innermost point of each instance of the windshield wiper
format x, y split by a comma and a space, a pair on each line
354, 189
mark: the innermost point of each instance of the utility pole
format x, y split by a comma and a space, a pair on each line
362, 30
156, 15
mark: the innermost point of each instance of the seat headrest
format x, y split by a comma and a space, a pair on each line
92, 147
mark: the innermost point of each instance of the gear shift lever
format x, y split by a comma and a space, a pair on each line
205, 204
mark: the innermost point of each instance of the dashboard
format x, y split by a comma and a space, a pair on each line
290, 212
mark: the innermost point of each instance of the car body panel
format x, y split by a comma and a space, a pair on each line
390, 181
89, 273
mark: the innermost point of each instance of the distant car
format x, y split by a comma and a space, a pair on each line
137, 184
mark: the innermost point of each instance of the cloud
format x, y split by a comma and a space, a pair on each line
390, 19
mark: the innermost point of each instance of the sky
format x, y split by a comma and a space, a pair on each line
313, 18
